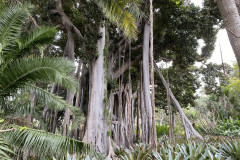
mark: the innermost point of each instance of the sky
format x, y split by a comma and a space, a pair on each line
228, 55
222, 39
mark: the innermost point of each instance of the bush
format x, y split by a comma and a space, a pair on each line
230, 127
162, 130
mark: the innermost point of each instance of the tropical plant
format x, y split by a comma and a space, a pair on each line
230, 149
162, 130
123, 13
20, 73
141, 151
166, 152
43, 144
4, 150
228, 127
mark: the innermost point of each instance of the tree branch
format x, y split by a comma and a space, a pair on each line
190, 132
125, 66
7, 130
66, 22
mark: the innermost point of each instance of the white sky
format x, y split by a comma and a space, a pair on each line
228, 55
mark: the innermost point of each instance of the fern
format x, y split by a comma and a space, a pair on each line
11, 22
18, 74
38, 37
56, 103
4, 150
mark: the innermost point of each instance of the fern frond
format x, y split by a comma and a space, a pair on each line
55, 102
19, 105
43, 143
11, 22
29, 70
4, 150
38, 37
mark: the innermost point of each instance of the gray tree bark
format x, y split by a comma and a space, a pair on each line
96, 128
68, 51
146, 85
231, 19
138, 111
153, 130
169, 111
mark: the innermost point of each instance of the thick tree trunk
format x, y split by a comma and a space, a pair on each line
190, 132
128, 126
97, 128
119, 138
69, 51
146, 85
231, 19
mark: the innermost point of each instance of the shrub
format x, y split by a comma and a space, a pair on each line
229, 127
162, 130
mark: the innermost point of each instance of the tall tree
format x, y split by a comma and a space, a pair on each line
231, 19
153, 130
97, 128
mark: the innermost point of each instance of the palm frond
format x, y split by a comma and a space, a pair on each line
4, 150
55, 102
38, 37
116, 12
19, 106
134, 8
29, 70
42, 143
11, 22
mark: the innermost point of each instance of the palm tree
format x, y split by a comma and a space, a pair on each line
122, 13
20, 72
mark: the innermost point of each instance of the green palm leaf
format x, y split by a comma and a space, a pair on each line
116, 11
11, 22
4, 150
56, 103
38, 37
43, 143
29, 70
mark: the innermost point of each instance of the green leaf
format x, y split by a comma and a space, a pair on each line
23, 71
117, 12
44, 143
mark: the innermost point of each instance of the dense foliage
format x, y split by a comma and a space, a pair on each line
77, 81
